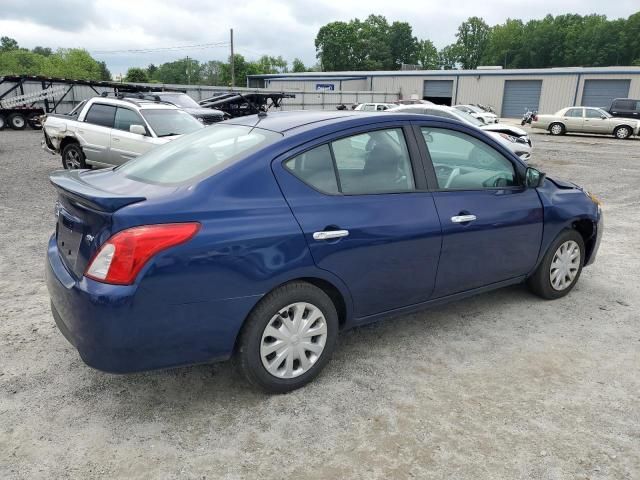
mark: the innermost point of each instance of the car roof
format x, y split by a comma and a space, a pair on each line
294, 121
133, 102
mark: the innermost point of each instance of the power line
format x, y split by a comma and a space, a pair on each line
163, 49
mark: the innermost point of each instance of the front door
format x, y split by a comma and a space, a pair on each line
366, 216
491, 224
125, 145
596, 122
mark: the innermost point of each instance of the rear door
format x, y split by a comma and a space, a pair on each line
362, 204
573, 119
124, 144
491, 224
95, 133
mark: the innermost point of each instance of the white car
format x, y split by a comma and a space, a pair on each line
374, 107
103, 132
515, 139
477, 112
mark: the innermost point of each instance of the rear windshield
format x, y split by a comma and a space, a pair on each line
197, 155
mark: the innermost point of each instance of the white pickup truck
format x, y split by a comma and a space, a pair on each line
103, 132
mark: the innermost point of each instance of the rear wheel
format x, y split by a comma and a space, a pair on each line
73, 157
622, 132
34, 121
560, 269
17, 121
557, 129
288, 338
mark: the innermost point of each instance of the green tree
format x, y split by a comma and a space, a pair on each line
405, 48
211, 72
21, 62
335, 45
183, 71
427, 55
297, 66
44, 51
448, 57
7, 44
504, 45
151, 71
73, 63
105, 74
136, 75
471, 42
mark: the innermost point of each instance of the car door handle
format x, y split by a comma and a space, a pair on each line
115, 139
330, 234
463, 218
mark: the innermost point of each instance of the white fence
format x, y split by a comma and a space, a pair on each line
304, 100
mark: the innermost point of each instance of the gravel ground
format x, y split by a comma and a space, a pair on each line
503, 385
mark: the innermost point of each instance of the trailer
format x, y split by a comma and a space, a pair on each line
239, 104
24, 99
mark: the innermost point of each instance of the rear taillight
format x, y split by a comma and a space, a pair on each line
122, 257
535, 118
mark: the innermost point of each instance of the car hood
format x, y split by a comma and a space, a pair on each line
203, 112
503, 127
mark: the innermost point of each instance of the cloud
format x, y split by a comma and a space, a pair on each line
273, 27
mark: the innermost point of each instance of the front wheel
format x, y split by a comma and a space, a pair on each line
288, 338
2, 122
73, 157
622, 133
560, 268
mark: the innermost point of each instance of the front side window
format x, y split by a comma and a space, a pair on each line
100, 114
369, 107
462, 162
125, 118
168, 122
593, 113
574, 113
195, 156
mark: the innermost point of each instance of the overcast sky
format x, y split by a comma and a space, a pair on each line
273, 27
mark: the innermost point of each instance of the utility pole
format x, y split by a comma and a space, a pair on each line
233, 73
188, 71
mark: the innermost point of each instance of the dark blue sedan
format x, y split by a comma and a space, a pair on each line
263, 237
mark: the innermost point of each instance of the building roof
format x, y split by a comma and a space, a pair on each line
356, 75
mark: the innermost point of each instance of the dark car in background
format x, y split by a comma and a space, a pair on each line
205, 115
625, 107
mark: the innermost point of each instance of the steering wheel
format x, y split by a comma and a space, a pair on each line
454, 173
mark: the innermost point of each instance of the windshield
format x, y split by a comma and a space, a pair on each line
475, 109
200, 154
166, 122
467, 117
181, 100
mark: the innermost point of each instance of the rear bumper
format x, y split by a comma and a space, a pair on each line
122, 329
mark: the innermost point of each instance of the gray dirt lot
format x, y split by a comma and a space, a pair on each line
503, 385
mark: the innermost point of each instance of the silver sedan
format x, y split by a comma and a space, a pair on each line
586, 120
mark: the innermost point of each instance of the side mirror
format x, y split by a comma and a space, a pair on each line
533, 178
603, 117
139, 129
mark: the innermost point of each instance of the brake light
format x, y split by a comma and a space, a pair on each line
535, 118
122, 257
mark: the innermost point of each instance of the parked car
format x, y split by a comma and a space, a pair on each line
265, 240
477, 112
373, 107
586, 120
413, 101
514, 138
625, 107
183, 101
103, 132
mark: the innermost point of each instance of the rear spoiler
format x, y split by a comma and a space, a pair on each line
72, 184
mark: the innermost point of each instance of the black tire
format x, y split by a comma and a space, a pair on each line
17, 121
73, 157
557, 131
248, 354
540, 282
3, 122
622, 133
34, 121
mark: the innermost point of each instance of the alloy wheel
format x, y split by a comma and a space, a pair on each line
622, 133
293, 340
565, 265
556, 129
72, 159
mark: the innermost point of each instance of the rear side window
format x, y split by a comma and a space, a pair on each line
125, 118
201, 154
574, 112
625, 104
315, 167
100, 114
368, 163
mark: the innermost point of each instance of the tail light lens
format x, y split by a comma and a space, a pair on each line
122, 257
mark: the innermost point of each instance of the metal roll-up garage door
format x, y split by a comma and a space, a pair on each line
519, 96
600, 93
438, 91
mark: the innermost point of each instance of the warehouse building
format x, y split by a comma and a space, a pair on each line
509, 92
